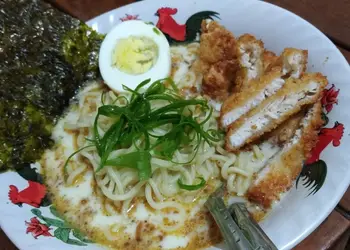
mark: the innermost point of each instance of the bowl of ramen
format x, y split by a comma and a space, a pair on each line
116, 132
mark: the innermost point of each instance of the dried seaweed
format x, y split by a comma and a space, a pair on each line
45, 57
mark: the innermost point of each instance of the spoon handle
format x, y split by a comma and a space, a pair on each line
252, 231
229, 229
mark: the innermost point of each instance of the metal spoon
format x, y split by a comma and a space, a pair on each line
239, 230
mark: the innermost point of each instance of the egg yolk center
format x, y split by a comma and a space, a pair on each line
135, 55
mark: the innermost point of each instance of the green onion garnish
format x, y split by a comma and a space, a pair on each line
140, 160
191, 187
135, 121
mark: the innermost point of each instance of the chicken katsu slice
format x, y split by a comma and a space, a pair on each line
252, 96
269, 58
280, 172
260, 89
280, 135
293, 61
289, 100
217, 59
250, 56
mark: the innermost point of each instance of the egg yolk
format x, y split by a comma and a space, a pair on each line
135, 55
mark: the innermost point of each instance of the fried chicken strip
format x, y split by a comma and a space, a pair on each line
253, 95
250, 51
289, 100
259, 90
278, 175
218, 60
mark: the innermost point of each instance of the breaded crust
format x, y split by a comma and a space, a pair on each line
218, 80
269, 58
250, 39
250, 56
310, 136
292, 60
216, 43
218, 60
292, 87
284, 168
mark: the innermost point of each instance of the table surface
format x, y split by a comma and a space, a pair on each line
331, 17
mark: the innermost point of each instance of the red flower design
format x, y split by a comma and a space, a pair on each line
330, 97
326, 136
129, 17
32, 195
37, 228
169, 26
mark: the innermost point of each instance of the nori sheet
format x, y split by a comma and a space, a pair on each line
45, 57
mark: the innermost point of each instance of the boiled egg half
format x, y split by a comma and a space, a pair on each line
132, 52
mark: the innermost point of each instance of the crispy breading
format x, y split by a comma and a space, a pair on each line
284, 169
295, 94
216, 43
278, 176
218, 60
310, 136
293, 61
218, 80
250, 56
269, 58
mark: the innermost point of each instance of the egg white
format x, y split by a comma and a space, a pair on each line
115, 78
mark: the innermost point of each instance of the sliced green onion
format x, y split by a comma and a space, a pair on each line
177, 105
121, 97
173, 85
103, 97
110, 140
70, 157
97, 137
156, 88
191, 187
142, 84
140, 160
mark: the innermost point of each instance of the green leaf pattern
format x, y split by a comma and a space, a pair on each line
63, 230
62, 234
75, 242
54, 212
77, 234
49, 222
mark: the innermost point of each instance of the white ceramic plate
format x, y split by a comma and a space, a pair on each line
297, 215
